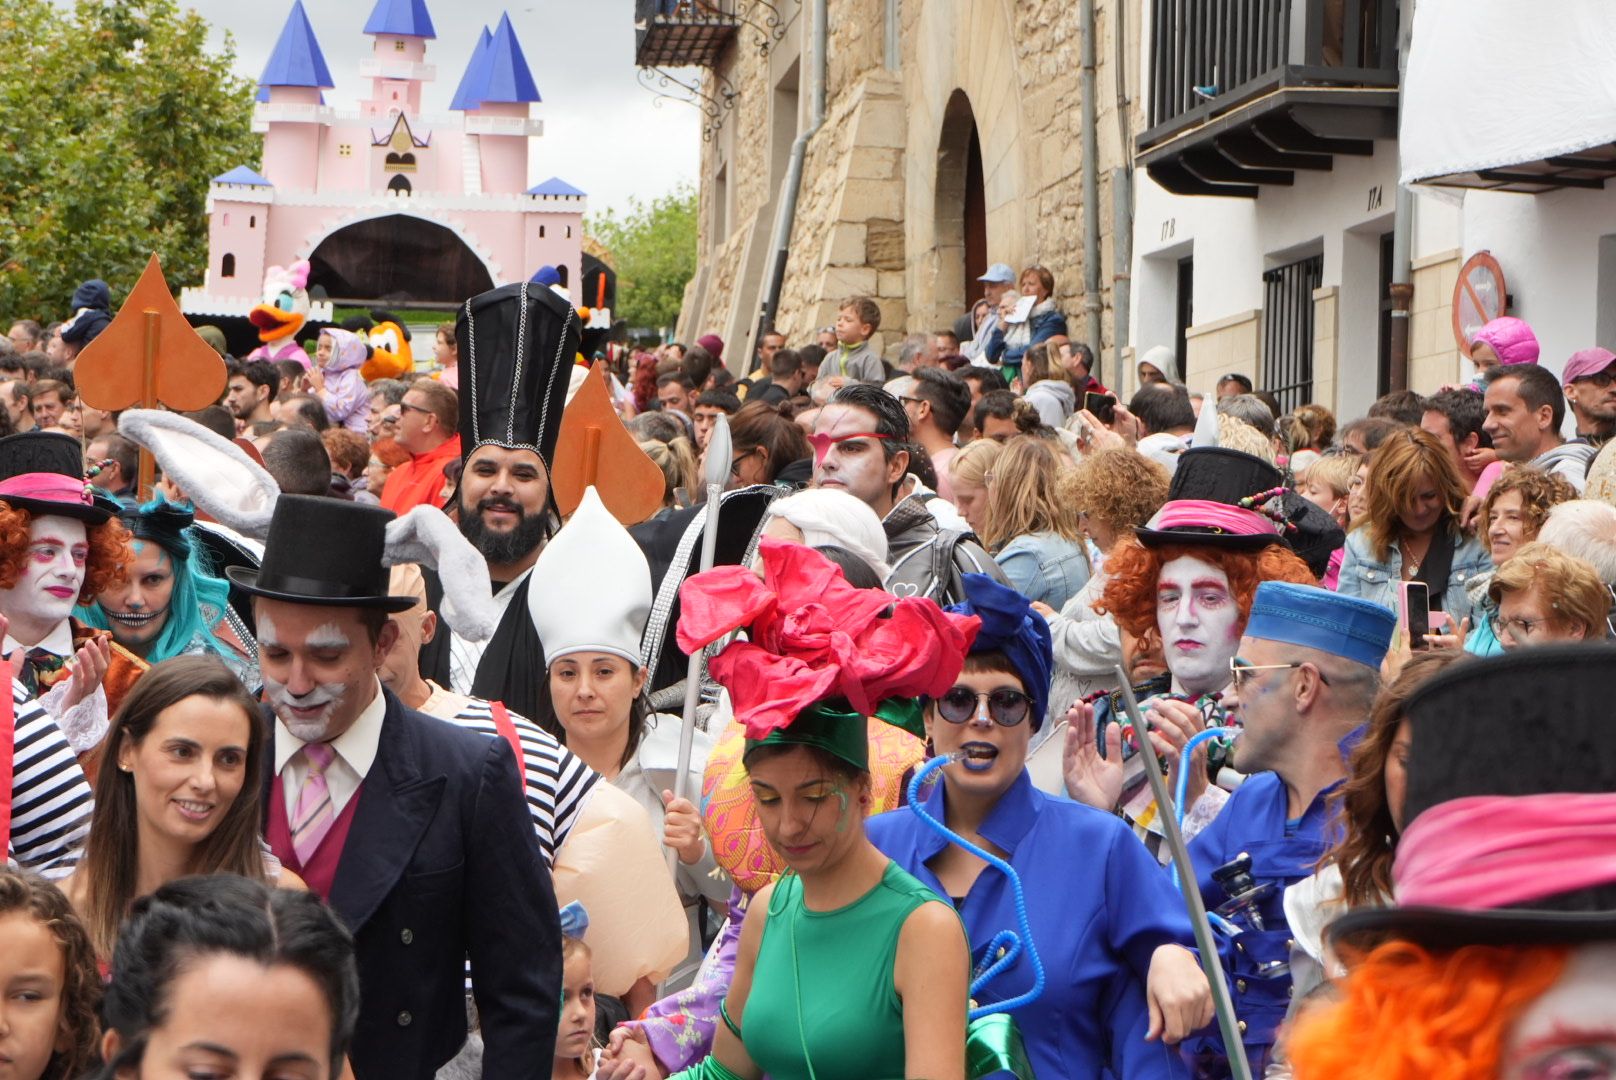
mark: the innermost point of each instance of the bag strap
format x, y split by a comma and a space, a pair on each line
8, 747
942, 562
507, 731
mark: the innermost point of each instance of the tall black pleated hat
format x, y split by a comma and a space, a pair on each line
1510, 835
517, 345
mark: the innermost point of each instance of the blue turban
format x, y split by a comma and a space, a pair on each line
1010, 626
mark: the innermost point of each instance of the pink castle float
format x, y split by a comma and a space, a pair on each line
386, 203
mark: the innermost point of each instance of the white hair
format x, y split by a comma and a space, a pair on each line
827, 516
1584, 529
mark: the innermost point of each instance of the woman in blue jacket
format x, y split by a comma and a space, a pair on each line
1111, 931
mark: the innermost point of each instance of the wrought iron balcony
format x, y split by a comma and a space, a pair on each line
676, 33
1247, 92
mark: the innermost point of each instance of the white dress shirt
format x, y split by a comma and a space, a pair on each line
464, 654
356, 753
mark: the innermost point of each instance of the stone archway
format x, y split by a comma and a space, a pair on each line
960, 74
398, 258
960, 238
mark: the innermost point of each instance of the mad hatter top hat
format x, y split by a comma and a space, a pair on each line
1203, 502
42, 472
326, 552
1511, 806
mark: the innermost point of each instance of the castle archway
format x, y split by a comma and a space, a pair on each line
398, 258
960, 212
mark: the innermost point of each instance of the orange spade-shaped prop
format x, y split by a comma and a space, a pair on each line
595, 448
149, 356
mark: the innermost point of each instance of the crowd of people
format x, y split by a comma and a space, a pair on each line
362, 744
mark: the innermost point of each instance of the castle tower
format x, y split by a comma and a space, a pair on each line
397, 69
291, 108
496, 93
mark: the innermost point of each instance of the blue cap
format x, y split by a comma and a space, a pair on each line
1314, 618
999, 274
546, 275
1011, 626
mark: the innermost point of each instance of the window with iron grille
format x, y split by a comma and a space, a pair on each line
1287, 370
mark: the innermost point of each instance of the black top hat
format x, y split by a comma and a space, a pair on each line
42, 472
326, 552
1216, 474
517, 347
1534, 722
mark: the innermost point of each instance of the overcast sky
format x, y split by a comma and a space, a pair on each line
602, 132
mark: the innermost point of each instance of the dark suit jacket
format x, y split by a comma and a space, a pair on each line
441, 864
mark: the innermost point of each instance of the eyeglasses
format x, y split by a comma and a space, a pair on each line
405, 406
1240, 671
1517, 628
1006, 707
740, 456
1601, 379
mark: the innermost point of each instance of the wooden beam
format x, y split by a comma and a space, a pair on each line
1245, 148
1214, 168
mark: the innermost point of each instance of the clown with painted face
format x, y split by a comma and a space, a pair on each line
1499, 960
167, 604
59, 548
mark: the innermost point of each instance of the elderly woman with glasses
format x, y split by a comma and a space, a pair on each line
1110, 931
1543, 596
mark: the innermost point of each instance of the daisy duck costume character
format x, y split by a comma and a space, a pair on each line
283, 312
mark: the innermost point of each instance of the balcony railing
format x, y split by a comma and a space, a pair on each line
677, 33
1208, 56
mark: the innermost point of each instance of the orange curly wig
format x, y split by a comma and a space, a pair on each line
1132, 569
107, 562
1408, 1014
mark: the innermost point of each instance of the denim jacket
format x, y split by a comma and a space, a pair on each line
1363, 575
1045, 566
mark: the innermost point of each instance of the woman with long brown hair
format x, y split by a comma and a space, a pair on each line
1031, 531
178, 793
1412, 530
767, 447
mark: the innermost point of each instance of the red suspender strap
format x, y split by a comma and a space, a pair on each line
507, 731
8, 748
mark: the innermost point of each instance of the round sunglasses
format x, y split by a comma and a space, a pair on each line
1006, 707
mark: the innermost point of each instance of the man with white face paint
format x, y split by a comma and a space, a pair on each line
74, 550
1498, 961
861, 446
414, 831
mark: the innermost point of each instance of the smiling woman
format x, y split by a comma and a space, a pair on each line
177, 793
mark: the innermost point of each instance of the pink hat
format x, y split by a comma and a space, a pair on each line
713, 344
1511, 338
1586, 362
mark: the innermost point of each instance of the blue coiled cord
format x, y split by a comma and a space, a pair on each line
1008, 940
1183, 786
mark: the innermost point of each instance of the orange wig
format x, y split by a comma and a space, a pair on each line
1408, 1014
106, 563
1132, 569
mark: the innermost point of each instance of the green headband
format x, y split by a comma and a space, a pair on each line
841, 732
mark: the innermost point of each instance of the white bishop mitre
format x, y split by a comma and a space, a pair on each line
590, 590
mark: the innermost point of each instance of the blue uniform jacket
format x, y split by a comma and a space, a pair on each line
1254, 821
1098, 906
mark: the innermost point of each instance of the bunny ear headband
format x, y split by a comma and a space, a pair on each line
234, 490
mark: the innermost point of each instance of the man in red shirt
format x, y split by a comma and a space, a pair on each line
427, 428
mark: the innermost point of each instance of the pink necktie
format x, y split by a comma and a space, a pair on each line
314, 812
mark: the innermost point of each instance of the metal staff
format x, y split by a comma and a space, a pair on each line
715, 474
1228, 1023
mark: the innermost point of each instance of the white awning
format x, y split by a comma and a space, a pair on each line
1498, 83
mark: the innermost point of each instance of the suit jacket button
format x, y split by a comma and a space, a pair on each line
404, 1018
1242, 1027
407, 936
1240, 985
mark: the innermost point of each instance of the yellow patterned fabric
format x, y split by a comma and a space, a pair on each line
730, 815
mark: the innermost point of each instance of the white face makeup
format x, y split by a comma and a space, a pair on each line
1199, 622
1570, 1032
306, 716
53, 574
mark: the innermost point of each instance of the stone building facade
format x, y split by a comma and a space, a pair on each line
956, 148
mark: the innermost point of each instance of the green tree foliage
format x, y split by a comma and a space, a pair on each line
113, 118
653, 249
